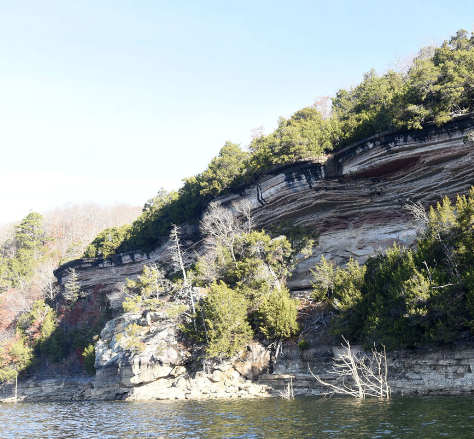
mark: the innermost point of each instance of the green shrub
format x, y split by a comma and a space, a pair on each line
225, 317
131, 340
303, 345
132, 304
277, 315
107, 242
89, 359
407, 298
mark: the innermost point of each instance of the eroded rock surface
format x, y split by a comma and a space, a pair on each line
165, 368
354, 199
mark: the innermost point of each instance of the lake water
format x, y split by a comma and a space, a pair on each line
419, 418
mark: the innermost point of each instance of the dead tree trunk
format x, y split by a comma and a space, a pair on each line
359, 375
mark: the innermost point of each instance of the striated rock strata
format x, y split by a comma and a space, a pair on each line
165, 368
354, 199
425, 371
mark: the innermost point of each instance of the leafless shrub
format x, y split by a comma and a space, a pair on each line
417, 211
360, 375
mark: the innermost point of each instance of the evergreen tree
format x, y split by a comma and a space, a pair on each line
225, 317
30, 234
277, 315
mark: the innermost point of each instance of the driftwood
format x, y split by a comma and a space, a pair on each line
359, 375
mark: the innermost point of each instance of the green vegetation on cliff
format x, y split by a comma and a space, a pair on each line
20, 256
37, 320
401, 299
438, 85
241, 283
405, 297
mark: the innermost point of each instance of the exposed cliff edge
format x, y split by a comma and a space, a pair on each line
353, 198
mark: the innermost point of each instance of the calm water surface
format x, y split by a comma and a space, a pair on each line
269, 418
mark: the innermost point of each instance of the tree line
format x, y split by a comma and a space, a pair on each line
35, 320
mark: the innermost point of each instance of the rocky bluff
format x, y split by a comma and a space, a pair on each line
353, 198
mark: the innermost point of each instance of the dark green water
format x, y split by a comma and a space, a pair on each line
268, 418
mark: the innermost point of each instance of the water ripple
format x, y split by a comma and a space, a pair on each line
246, 419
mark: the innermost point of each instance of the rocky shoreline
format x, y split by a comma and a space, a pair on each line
425, 371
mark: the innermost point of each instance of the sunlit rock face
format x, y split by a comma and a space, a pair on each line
165, 369
354, 199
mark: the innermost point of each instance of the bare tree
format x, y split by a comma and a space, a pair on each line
324, 105
221, 225
177, 257
6, 335
288, 392
244, 208
46, 280
257, 132
20, 298
418, 213
79, 224
360, 375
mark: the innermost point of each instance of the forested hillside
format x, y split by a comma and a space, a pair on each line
29, 252
409, 297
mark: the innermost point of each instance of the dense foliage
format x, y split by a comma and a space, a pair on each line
438, 85
242, 276
224, 313
107, 242
37, 321
20, 256
403, 298
251, 268
409, 297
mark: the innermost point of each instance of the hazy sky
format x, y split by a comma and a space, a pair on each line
108, 101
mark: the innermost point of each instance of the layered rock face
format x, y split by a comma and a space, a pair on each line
354, 199
152, 375
423, 371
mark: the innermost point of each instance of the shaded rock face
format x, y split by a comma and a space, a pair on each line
353, 198
71, 388
424, 371
163, 369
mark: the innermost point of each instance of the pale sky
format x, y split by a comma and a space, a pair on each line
108, 101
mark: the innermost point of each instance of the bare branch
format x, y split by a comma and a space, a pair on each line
418, 212
367, 374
